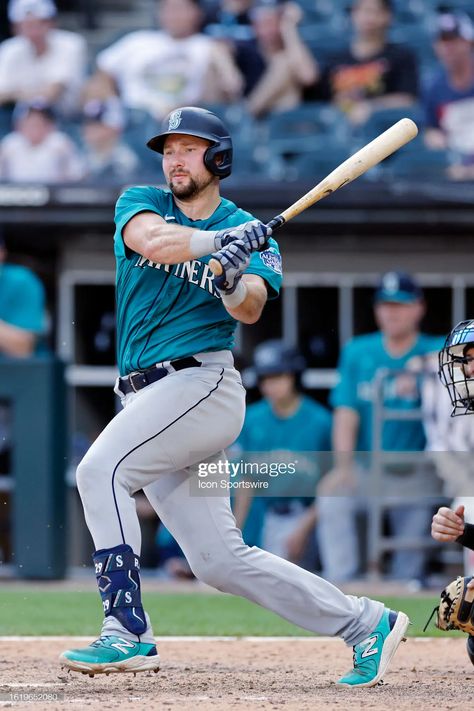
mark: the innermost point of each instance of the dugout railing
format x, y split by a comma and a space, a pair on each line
399, 479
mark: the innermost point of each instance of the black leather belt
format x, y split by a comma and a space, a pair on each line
136, 381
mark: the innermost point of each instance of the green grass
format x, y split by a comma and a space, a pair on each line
44, 612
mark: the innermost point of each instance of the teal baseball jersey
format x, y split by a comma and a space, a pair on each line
361, 358
22, 299
166, 312
305, 432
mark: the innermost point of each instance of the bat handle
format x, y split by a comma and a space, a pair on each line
216, 267
276, 222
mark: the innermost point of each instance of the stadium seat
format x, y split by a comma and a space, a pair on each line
314, 165
418, 162
295, 129
382, 119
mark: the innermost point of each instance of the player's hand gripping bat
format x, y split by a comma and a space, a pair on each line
381, 147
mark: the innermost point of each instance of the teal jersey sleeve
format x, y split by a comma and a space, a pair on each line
268, 265
22, 299
130, 203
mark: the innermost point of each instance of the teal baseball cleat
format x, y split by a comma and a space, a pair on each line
373, 655
112, 654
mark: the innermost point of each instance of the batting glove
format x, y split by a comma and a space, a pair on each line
234, 260
253, 234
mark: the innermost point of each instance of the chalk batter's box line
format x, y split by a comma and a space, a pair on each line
163, 638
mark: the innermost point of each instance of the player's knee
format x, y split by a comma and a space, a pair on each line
219, 570
87, 478
213, 572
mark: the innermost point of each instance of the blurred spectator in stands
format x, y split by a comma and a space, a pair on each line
158, 70
231, 21
36, 151
106, 156
449, 99
283, 427
22, 323
372, 73
41, 61
399, 308
276, 65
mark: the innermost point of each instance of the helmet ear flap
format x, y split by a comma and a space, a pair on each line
224, 168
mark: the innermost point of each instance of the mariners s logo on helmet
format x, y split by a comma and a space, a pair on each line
174, 120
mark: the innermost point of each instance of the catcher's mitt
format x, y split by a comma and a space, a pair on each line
456, 607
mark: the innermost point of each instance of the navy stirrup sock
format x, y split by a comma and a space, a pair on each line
118, 576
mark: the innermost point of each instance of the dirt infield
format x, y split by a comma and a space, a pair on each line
296, 675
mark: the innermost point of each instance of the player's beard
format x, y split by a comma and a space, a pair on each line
190, 189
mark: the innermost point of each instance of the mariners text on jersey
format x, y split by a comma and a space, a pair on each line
166, 312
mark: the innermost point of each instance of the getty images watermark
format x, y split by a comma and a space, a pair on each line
291, 474
242, 474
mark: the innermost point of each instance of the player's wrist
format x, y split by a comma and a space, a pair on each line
237, 297
202, 242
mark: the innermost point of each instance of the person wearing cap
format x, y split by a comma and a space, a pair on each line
106, 155
36, 151
371, 73
158, 70
448, 100
41, 61
399, 308
284, 426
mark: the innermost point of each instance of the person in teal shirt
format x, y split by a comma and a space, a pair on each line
399, 308
285, 426
22, 309
22, 323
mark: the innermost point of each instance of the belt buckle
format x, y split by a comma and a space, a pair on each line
131, 380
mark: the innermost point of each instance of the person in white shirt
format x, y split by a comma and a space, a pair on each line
36, 152
159, 70
41, 61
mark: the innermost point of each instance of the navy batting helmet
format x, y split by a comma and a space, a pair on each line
275, 357
192, 121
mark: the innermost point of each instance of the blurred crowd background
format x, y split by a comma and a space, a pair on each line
77, 97
345, 362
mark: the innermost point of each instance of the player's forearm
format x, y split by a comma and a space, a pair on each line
250, 310
15, 342
344, 437
148, 235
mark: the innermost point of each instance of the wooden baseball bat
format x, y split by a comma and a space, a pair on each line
374, 152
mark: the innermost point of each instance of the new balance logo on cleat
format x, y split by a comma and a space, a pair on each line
370, 649
122, 645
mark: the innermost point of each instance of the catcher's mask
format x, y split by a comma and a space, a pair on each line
193, 121
453, 370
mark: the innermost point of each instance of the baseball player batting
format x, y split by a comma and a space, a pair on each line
183, 404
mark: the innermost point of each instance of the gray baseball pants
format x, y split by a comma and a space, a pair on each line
156, 444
